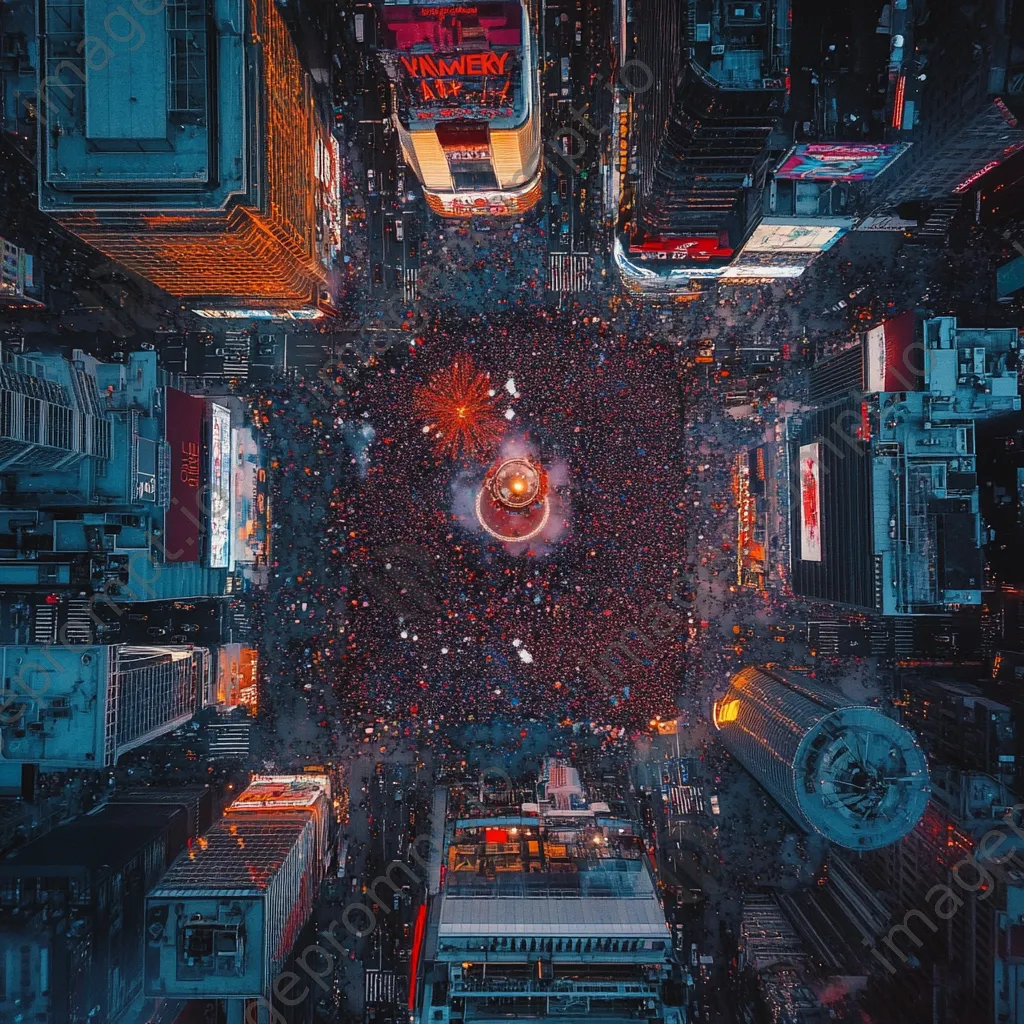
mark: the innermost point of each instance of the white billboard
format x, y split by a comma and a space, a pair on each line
220, 487
810, 502
776, 237
874, 355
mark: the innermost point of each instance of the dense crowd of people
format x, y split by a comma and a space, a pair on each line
408, 609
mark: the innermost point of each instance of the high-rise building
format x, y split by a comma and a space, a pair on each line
947, 71
702, 117
223, 920
837, 768
72, 911
104, 468
83, 707
770, 946
466, 102
190, 151
958, 725
548, 909
882, 472
976, 952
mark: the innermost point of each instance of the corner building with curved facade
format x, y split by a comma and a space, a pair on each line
466, 103
841, 769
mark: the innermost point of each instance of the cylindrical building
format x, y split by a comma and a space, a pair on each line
841, 769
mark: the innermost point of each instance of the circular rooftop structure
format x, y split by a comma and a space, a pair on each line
512, 505
844, 770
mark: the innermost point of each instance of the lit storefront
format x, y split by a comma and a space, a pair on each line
234, 679
748, 489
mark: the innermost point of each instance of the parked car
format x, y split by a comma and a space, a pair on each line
156, 631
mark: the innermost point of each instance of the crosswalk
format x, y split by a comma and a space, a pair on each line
936, 227
687, 800
80, 627
230, 740
236, 354
380, 987
44, 624
569, 271
412, 288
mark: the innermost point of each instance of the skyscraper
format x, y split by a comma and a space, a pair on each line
226, 915
549, 909
102, 478
884, 510
83, 707
190, 150
466, 103
712, 93
72, 910
946, 69
837, 768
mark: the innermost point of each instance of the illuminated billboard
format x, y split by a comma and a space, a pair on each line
455, 61
810, 502
782, 237
184, 516
823, 161
677, 249
892, 358
220, 487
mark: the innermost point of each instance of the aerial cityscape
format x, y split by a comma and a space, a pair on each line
511, 511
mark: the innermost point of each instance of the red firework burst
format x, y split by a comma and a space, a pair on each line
457, 409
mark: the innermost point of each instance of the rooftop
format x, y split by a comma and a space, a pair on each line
741, 44
138, 126
237, 855
582, 917
103, 839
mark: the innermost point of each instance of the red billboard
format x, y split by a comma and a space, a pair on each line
455, 61
184, 519
810, 502
892, 355
699, 249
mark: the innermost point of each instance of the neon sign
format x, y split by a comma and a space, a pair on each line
464, 65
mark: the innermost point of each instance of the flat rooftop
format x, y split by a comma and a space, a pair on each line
637, 918
161, 122
236, 855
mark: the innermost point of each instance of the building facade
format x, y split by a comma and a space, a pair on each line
223, 920
190, 150
958, 725
85, 706
975, 951
548, 908
466, 102
72, 913
700, 134
839, 769
19, 280
882, 473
